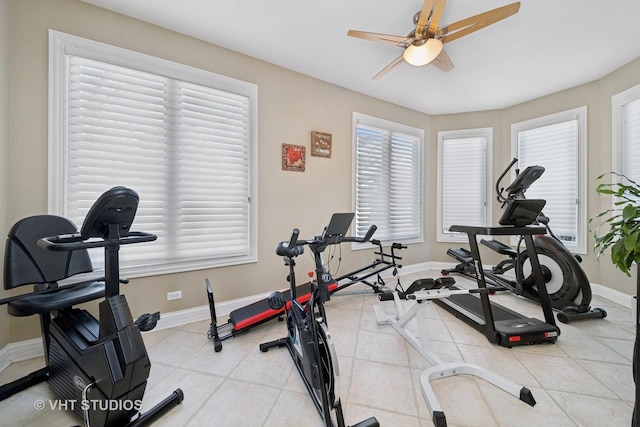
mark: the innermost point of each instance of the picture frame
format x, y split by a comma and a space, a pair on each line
320, 144
293, 157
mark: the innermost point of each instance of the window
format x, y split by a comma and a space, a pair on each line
557, 142
184, 139
464, 181
388, 179
625, 108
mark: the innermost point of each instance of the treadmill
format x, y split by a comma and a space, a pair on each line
499, 324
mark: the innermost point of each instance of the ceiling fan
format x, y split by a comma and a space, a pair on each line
424, 44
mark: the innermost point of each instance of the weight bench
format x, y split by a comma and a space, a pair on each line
259, 312
247, 317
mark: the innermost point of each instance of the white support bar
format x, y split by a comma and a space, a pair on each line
439, 369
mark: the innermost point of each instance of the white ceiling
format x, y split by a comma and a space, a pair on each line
548, 46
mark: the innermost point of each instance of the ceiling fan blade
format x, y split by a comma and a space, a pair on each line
388, 68
451, 32
438, 8
443, 62
377, 37
427, 7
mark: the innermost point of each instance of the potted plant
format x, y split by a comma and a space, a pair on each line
619, 230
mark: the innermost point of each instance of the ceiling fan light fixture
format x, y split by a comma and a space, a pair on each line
421, 53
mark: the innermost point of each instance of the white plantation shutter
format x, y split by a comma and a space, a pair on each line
184, 147
631, 140
406, 187
554, 148
625, 135
388, 180
372, 180
463, 174
556, 144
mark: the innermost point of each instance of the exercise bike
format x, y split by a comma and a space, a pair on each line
567, 284
309, 341
97, 367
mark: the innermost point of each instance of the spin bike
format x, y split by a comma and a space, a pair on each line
567, 284
309, 341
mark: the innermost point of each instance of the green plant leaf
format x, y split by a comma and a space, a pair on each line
629, 212
618, 229
630, 242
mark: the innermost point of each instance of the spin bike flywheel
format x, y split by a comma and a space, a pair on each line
328, 363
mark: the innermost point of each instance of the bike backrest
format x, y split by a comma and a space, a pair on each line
27, 263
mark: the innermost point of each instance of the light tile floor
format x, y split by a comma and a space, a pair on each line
584, 379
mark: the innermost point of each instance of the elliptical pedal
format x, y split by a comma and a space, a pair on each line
461, 254
500, 248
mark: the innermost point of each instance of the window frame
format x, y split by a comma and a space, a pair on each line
390, 126
487, 134
61, 45
618, 101
580, 115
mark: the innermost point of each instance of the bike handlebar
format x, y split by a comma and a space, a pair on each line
501, 198
70, 242
364, 239
295, 247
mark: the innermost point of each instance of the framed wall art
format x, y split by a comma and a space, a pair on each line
320, 144
293, 157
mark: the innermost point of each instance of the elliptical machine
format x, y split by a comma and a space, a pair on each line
309, 341
566, 282
102, 365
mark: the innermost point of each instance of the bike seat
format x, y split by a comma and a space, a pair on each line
283, 249
31, 304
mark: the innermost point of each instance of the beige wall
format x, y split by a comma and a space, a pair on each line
597, 97
614, 83
4, 144
290, 106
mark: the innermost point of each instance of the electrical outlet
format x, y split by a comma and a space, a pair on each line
174, 295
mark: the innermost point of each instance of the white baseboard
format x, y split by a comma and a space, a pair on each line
197, 314
23, 350
612, 295
18, 351
5, 358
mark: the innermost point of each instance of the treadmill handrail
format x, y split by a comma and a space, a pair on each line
530, 230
